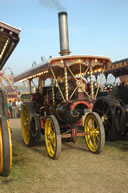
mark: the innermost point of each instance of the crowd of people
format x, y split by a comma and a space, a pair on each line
14, 108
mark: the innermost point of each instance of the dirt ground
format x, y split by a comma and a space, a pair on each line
76, 171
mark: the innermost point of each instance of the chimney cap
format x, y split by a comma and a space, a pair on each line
62, 13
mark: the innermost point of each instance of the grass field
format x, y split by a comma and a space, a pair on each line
76, 171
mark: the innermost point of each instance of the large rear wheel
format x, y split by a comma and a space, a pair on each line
94, 132
29, 128
105, 106
5, 147
52, 137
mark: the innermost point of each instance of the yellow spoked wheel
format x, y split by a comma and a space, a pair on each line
5, 147
29, 125
52, 137
94, 132
25, 124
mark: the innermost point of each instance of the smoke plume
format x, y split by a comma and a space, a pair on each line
53, 4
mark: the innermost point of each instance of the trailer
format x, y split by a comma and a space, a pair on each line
9, 38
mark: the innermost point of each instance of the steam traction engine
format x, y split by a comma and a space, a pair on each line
9, 37
62, 109
57, 110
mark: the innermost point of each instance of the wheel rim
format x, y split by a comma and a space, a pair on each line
5, 148
50, 138
25, 124
1, 151
92, 133
10, 143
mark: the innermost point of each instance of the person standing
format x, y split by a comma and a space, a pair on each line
10, 108
14, 115
19, 108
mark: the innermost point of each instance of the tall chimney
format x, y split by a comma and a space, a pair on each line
63, 31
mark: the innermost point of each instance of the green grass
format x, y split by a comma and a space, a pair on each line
77, 170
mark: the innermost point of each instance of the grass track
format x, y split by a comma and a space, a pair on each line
76, 171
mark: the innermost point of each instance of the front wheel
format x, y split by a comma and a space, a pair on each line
52, 137
94, 132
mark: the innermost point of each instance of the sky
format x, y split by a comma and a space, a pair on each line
96, 27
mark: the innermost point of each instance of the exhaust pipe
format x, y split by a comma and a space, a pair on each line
63, 32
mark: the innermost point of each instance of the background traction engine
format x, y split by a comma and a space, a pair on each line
62, 109
113, 106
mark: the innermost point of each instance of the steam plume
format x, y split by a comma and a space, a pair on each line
53, 4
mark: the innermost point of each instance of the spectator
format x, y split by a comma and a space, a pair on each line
19, 108
10, 108
14, 115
